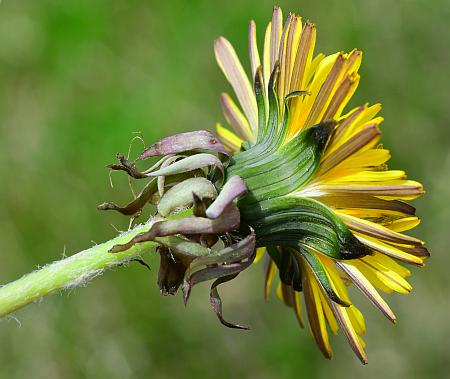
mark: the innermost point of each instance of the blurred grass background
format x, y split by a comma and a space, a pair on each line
78, 78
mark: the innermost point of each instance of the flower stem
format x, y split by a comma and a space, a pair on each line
70, 272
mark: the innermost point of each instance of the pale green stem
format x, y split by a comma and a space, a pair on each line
70, 272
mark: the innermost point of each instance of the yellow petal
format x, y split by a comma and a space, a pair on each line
390, 264
315, 63
259, 254
266, 55
404, 224
332, 323
232, 68
230, 140
298, 308
341, 97
270, 271
357, 320
348, 318
389, 250
325, 92
314, 310
277, 27
303, 58
368, 289
359, 142
387, 276
295, 31
282, 61
346, 326
375, 230
301, 107
371, 275
370, 176
253, 49
352, 123
235, 118
394, 189
360, 160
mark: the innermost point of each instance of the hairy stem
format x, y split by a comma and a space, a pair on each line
75, 270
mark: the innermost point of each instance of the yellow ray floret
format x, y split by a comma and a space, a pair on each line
352, 178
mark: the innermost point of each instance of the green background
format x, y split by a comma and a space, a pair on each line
79, 77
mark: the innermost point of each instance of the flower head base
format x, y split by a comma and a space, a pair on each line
302, 181
197, 224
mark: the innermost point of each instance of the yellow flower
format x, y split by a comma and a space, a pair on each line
293, 91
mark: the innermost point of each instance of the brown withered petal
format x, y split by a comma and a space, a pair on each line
368, 289
232, 189
229, 221
316, 318
418, 251
236, 252
378, 231
307, 40
190, 163
199, 205
237, 257
393, 190
127, 166
346, 86
171, 271
162, 179
288, 294
183, 142
253, 48
368, 202
136, 205
349, 121
216, 302
325, 90
346, 327
180, 195
277, 25
297, 308
350, 147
